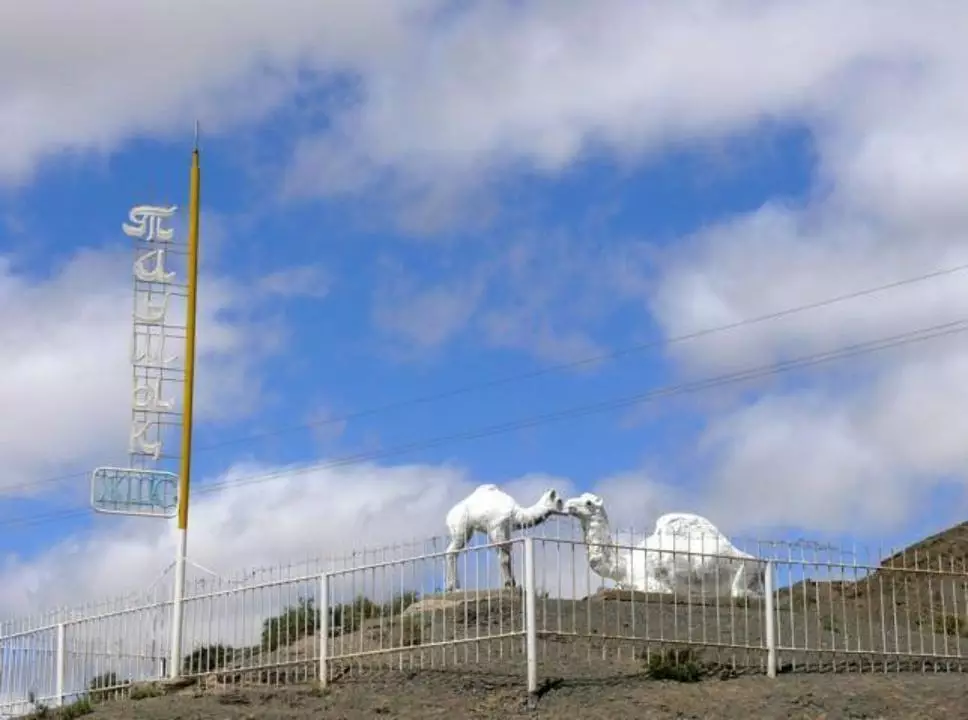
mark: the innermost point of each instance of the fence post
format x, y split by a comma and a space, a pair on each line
770, 611
323, 629
61, 660
530, 620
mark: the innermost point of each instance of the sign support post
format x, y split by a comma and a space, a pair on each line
184, 479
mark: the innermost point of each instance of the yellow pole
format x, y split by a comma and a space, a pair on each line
184, 481
188, 400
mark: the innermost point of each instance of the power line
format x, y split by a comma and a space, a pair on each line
531, 374
866, 348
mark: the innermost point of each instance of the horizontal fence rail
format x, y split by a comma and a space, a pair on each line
574, 609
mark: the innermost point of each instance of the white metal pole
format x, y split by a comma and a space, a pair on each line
61, 662
177, 608
770, 620
530, 621
324, 629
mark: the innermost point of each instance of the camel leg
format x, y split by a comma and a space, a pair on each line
504, 555
739, 589
755, 583
458, 542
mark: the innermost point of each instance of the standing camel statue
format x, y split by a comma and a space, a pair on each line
492, 511
684, 552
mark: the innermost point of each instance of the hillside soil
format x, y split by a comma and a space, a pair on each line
449, 694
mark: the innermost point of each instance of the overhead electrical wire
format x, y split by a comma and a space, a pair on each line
531, 374
859, 349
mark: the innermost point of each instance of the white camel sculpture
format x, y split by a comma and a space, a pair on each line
492, 511
685, 552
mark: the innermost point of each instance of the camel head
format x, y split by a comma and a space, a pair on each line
604, 557
548, 504
585, 507
551, 501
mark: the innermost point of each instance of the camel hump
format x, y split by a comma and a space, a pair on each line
686, 524
487, 487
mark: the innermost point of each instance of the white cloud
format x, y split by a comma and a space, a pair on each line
832, 460
274, 536
305, 280
322, 513
224, 64
862, 448
297, 521
543, 83
534, 295
443, 96
65, 374
424, 318
776, 259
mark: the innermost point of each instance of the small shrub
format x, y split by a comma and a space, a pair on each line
41, 710
302, 619
295, 622
143, 691
207, 658
350, 616
945, 624
106, 685
400, 602
680, 665
76, 709
411, 632
317, 689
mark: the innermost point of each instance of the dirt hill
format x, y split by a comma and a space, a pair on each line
947, 550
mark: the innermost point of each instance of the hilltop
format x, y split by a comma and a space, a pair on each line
947, 550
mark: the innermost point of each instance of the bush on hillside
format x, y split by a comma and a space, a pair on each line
106, 685
303, 618
295, 622
207, 658
400, 602
679, 664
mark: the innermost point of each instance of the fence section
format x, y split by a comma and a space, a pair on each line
796, 607
589, 624
395, 615
849, 610
576, 609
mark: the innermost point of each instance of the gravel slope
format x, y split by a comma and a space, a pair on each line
441, 694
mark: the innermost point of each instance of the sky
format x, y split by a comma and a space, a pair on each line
467, 242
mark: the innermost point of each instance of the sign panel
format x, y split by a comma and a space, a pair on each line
158, 374
129, 491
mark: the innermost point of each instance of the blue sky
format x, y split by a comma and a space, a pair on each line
362, 251
334, 362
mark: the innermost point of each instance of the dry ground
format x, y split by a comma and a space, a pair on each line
450, 694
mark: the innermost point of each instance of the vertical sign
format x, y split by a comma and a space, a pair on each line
158, 372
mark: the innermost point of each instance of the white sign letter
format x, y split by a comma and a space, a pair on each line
139, 443
147, 397
156, 274
154, 314
150, 354
146, 222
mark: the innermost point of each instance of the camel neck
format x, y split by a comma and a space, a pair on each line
525, 517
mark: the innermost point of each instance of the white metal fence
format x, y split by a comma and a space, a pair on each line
383, 611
